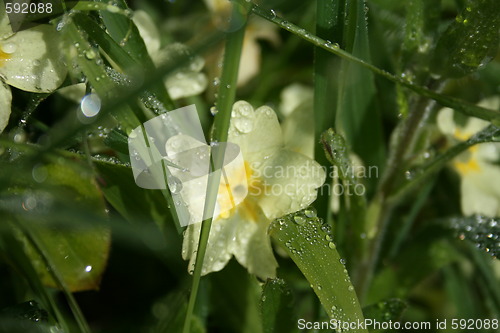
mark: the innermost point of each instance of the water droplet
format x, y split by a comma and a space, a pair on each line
244, 125
342, 261
299, 220
9, 48
214, 110
88, 268
310, 212
328, 238
112, 9
90, 54
216, 81
350, 288
319, 287
331, 245
90, 105
174, 184
273, 14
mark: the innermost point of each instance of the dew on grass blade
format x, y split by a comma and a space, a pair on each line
90, 105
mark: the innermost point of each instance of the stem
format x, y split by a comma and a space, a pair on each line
227, 93
324, 114
379, 216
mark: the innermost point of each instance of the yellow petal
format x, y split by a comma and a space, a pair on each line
35, 60
258, 133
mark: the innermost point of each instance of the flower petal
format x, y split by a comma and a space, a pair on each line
258, 133
250, 60
247, 240
35, 64
298, 129
252, 247
293, 96
5, 105
218, 251
480, 191
289, 182
184, 84
147, 30
445, 121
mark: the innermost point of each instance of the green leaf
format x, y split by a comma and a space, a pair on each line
385, 311
77, 252
131, 201
357, 116
309, 243
26, 317
482, 231
276, 307
470, 42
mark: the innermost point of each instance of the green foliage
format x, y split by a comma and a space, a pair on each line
84, 249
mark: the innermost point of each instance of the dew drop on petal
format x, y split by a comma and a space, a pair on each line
9, 48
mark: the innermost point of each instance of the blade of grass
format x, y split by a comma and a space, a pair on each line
225, 100
308, 241
328, 23
451, 102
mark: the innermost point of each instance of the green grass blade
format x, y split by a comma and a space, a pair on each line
451, 102
225, 100
308, 241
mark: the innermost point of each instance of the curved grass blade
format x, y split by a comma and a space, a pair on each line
309, 243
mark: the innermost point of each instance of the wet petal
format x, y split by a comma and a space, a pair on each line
184, 84
298, 129
35, 60
218, 252
288, 183
445, 121
252, 247
258, 133
293, 96
5, 105
147, 30
480, 191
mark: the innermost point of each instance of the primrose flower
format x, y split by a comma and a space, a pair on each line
257, 29
277, 181
480, 176
30, 60
184, 82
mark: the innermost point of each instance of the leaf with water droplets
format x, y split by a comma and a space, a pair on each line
483, 231
24, 317
276, 307
470, 42
307, 241
75, 250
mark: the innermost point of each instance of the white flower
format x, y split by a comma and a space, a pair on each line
30, 60
480, 193
278, 182
257, 29
184, 82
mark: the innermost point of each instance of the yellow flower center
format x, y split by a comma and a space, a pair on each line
235, 184
3, 56
466, 167
467, 163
